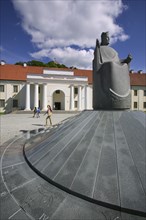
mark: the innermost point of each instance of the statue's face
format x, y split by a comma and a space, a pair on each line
105, 39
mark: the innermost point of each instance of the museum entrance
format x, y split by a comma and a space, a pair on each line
58, 100
57, 105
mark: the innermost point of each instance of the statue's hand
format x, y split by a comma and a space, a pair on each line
97, 43
129, 58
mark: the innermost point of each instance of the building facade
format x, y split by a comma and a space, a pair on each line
138, 91
26, 87
138, 96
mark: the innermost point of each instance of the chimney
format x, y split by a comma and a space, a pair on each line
3, 62
132, 71
140, 71
25, 64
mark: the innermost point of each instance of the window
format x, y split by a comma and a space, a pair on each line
2, 88
135, 92
57, 91
144, 105
15, 88
135, 104
76, 91
15, 103
2, 103
144, 92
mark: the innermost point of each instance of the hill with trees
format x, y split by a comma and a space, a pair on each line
50, 64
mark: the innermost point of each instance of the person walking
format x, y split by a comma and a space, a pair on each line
38, 112
34, 111
49, 114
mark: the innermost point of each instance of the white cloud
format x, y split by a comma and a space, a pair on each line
55, 25
72, 57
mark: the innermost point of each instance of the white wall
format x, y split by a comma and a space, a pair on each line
140, 98
8, 95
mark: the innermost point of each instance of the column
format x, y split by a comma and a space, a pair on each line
132, 99
44, 101
79, 97
72, 97
27, 102
36, 95
86, 96
140, 100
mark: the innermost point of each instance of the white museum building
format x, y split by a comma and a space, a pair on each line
60, 89
26, 87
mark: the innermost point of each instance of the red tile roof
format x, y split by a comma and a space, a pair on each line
17, 72
87, 73
137, 79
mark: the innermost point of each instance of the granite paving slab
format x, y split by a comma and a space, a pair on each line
99, 175
100, 157
25, 195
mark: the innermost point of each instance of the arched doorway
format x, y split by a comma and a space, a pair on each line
58, 100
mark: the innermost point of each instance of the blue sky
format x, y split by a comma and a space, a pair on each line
66, 30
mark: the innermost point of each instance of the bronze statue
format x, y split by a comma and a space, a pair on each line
111, 82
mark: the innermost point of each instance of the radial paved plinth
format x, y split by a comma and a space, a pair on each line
98, 156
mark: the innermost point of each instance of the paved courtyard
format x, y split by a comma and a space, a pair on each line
12, 125
88, 166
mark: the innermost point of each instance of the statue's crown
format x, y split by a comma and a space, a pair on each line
105, 33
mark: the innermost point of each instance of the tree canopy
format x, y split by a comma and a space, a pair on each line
39, 63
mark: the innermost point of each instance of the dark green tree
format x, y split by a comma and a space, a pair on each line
51, 64
55, 65
19, 63
35, 63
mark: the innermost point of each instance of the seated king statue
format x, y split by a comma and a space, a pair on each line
111, 81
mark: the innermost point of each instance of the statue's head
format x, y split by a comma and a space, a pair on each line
105, 38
